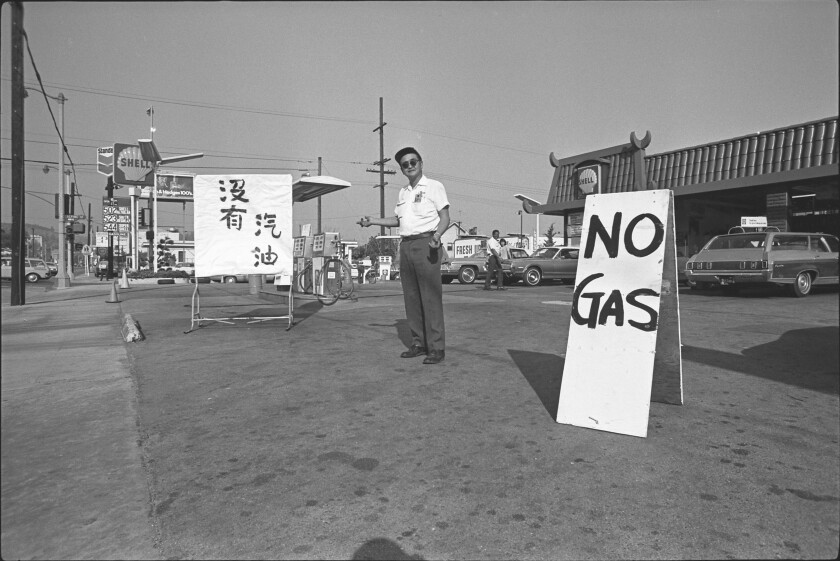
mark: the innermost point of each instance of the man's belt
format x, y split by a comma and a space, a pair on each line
418, 236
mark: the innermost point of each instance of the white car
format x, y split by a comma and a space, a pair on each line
33, 269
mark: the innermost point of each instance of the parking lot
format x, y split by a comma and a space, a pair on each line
320, 442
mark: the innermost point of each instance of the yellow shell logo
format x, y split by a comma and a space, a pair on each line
588, 181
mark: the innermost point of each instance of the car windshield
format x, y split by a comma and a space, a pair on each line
518, 253
737, 241
546, 252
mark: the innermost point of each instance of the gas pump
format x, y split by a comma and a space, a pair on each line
384, 267
323, 247
302, 254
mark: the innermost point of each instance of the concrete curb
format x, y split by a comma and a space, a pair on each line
131, 330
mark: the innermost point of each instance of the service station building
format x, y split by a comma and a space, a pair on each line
787, 175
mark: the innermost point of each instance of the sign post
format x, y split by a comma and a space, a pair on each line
624, 336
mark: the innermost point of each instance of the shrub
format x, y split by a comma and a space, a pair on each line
149, 274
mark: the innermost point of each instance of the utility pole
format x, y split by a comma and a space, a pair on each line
381, 164
18, 292
62, 279
319, 200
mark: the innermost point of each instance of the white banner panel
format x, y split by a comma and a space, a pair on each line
243, 224
612, 335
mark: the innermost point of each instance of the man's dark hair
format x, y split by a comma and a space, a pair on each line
407, 150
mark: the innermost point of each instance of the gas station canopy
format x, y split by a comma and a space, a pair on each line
307, 188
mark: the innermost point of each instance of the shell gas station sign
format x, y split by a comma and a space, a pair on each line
130, 168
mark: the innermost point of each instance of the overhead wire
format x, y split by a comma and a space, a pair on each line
52, 115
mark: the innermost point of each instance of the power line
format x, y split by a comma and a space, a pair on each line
204, 105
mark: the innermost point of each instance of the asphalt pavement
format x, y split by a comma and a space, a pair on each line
249, 441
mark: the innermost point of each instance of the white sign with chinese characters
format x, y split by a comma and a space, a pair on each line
243, 224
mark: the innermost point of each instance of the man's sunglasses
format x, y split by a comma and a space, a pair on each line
410, 164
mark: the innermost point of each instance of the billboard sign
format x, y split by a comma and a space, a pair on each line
171, 187
130, 168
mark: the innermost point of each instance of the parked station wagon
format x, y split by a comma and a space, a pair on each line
798, 260
33, 271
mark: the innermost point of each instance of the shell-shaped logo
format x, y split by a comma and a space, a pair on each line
588, 181
132, 165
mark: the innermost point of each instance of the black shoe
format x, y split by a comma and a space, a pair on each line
413, 351
434, 357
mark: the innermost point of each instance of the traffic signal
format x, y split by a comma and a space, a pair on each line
145, 217
64, 202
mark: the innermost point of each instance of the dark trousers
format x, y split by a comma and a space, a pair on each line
494, 268
423, 293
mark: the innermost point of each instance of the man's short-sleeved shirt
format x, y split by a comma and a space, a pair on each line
493, 243
418, 207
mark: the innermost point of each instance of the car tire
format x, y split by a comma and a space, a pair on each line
229, 279
32, 277
802, 285
532, 276
467, 275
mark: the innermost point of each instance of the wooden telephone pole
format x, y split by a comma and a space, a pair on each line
18, 292
381, 163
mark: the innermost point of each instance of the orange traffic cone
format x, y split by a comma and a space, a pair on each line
114, 299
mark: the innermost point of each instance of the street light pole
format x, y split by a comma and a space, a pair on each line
62, 278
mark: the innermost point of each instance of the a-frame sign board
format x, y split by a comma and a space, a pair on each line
624, 335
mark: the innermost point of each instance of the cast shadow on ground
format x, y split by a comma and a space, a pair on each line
807, 358
401, 327
382, 549
544, 371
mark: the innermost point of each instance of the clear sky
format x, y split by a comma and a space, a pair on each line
484, 90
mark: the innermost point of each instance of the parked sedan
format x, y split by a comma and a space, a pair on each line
53, 267
547, 263
468, 269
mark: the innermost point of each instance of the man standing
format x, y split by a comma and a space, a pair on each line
422, 215
494, 263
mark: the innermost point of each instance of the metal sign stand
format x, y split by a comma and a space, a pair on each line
197, 318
